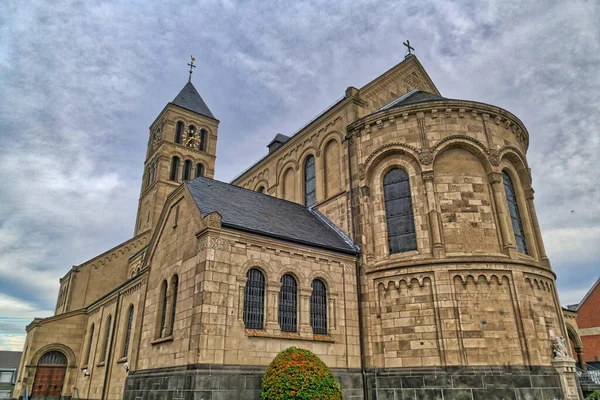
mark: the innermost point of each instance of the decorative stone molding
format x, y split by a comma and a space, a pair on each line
434, 113
426, 157
461, 112
214, 243
448, 113
460, 137
489, 277
428, 176
409, 280
474, 114
405, 117
380, 149
494, 157
213, 220
495, 177
529, 193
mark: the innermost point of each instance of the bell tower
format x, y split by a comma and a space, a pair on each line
182, 145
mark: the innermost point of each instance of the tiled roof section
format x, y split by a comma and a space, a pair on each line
262, 214
10, 359
190, 99
412, 97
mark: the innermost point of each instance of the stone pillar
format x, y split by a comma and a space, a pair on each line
304, 311
536, 227
271, 306
495, 179
437, 247
568, 380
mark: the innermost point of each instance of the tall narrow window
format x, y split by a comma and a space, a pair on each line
199, 170
106, 344
128, 331
399, 212
203, 138
191, 136
174, 288
288, 305
254, 300
89, 346
163, 310
179, 132
187, 170
318, 308
515, 216
174, 168
310, 183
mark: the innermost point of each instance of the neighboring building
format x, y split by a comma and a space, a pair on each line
9, 363
394, 235
588, 322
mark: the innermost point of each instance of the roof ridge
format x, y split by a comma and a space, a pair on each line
333, 227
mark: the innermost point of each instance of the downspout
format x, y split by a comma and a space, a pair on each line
358, 282
110, 347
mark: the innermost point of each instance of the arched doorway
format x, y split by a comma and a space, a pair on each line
577, 346
50, 376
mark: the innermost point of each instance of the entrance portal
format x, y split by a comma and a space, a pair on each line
50, 376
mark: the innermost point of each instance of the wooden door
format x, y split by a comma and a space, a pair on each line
48, 382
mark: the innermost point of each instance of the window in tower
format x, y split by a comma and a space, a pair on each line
199, 170
515, 216
203, 137
310, 182
174, 288
179, 132
288, 305
106, 344
254, 300
187, 170
174, 168
128, 331
163, 309
89, 346
399, 212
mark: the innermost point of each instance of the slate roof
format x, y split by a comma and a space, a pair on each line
254, 212
10, 359
190, 99
279, 138
412, 97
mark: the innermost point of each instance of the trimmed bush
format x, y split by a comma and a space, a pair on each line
299, 374
593, 396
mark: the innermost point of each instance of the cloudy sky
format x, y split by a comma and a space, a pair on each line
81, 81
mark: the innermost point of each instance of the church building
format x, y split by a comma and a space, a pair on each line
394, 235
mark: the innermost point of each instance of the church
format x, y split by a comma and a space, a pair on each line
394, 235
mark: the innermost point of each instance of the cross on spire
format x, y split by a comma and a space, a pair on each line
192, 66
408, 48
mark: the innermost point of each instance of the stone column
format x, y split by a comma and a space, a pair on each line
437, 247
271, 306
495, 179
568, 379
304, 327
536, 227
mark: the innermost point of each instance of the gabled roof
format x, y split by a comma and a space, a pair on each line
412, 97
258, 213
10, 359
576, 307
190, 99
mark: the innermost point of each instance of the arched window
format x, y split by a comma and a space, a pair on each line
128, 331
261, 189
399, 212
174, 288
310, 182
288, 305
179, 132
163, 310
254, 300
515, 216
199, 170
191, 134
106, 344
187, 170
89, 346
203, 137
318, 308
174, 168
53, 358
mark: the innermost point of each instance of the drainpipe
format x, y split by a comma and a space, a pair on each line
358, 282
108, 363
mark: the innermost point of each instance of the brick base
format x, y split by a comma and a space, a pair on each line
217, 382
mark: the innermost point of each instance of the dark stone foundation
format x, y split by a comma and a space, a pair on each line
218, 382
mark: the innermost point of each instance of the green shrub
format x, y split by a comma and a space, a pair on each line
593, 396
299, 374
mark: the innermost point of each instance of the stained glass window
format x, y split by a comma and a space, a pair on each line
399, 212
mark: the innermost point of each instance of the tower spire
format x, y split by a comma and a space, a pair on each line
192, 66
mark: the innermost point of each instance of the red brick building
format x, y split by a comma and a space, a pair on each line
588, 321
